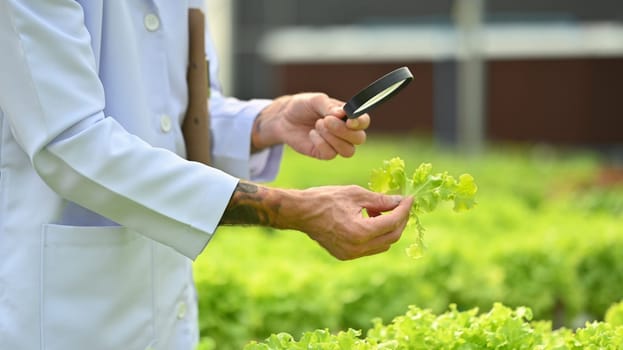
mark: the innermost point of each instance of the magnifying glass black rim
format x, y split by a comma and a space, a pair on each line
401, 74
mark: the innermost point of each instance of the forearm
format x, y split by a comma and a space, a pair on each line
331, 215
252, 204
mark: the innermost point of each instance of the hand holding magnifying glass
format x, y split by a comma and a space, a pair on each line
378, 92
303, 127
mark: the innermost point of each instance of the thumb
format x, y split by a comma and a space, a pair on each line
381, 203
323, 105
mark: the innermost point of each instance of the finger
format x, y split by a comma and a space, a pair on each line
362, 122
323, 105
339, 129
396, 219
373, 213
383, 243
340, 146
330, 107
377, 202
321, 149
377, 250
337, 111
358, 252
379, 244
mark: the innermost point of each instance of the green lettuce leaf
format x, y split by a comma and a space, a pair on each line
428, 190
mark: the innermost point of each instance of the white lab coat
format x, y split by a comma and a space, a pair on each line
100, 215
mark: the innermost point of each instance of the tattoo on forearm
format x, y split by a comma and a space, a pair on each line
251, 205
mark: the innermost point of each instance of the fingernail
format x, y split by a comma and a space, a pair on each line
354, 123
337, 110
396, 199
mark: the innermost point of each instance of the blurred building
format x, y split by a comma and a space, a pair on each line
530, 70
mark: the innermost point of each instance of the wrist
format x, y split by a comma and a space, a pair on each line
265, 132
291, 213
252, 204
258, 134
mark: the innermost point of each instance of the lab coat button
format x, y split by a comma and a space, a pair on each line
165, 123
181, 310
152, 22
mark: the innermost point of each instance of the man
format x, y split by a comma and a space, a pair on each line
101, 215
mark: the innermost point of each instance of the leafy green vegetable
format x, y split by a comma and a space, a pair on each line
500, 328
428, 190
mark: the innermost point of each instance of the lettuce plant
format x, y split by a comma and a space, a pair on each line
428, 190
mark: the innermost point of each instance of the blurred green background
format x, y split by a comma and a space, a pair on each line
546, 234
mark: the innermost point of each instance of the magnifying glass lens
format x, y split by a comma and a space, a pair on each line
378, 92
379, 97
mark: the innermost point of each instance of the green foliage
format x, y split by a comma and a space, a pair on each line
528, 271
224, 310
597, 336
428, 190
500, 328
614, 314
540, 238
600, 274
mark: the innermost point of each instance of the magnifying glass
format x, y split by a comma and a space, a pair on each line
378, 92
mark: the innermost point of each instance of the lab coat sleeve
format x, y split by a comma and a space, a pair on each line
48, 85
231, 118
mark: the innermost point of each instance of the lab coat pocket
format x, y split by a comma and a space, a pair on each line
96, 288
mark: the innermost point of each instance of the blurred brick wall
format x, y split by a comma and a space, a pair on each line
578, 101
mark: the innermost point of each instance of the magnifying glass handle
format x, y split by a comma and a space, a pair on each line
348, 115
